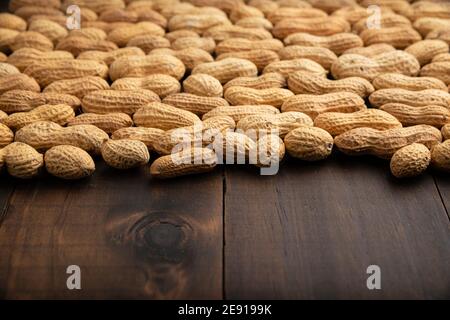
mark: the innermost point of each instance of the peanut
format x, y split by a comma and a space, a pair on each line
50, 29
11, 21
108, 57
6, 135
118, 15
319, 26
412, 98
203, 85
227, 69
181, 33
385, 143
240, 112
7, 69
78, 87
241, 44
22, 58
412, 115
207, 44
398, 37
338, 43
90, 33
234, 147
46, 72
400, 81
440, 156
18, 81
353, 14
31, 39
353, 65
441, 57
24, 101
77, 45
7, 37
410, 161
22, 161
446, 131
244, 11
425, 25
197, 23
425, 50
336, 123
109, 122
323, 56
439, 70
3, 57
430, 9
440, 34
28, 11
223, 32
264, 81
125, 154
193, 103
287, 67
191, 57
331, 6
163, 85
191, 161
271, 96
303, 82
255, 22
122, 35
372, 50
270, 150
137, 66
96, 5
43, 135
148, 42
290, 13
261, 58
126, 101
164, 116
69, 162
3, 115
313, 105
149, 136
387, 20
309, 143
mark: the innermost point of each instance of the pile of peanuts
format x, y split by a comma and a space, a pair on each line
116, 79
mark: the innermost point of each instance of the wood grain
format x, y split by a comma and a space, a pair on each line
442, 180
133, 237
311, 231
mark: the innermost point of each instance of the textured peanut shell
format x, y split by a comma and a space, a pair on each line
125, 153
196, 104
223, 32
400, 81
321, 26
148, 42
279, 14
181, 33
203, 85
7, 69
372, 50
196, 23
3, 57
18, 81
412, 98
313, 105
323, 56
207, 44
78, 87
244, 11
31, 39
440, 156
90, 33
191, 161
441, 57
307, 83
97, 6
242, 44
227, 69
6, 135
162, 84
439, 70
24, 57
122, 35
14, 5
69, 162
264, 81
309, 143
3, 115
109, 122
287, 67
191, 57
440, 34
255, 22
11, 21
387, 20
426, 50
425, 25
108, 57
234, 147
271, 96
22, 161
77, 45
23, 101
410, 161
261, 58
270, 151
446, 131
164, 116
412, 115
399, 37
126, 101
149, 136
336, 123
385, 143
337, 43
52, 30
240, 112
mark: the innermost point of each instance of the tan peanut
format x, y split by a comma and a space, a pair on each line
148, 42
69, 162
46, 72
425, 50
6, 135
191, 57
265, 6
313, 105
240, 112
287, 67
323, 56
59, 113
196, 23
122, 35
410, 161
43, 135
372, 50
264, 81
118, 15
137, 66
242, 44
304, 82
441, 57
336, 123
271, 96
3, 115
398, 37
24, 57
77, 45
203, 85
261, 58
207, 44
270, 151
440, 34
31, 39
279, 124
384, 143
244, 11
78, 87
337, 43
227, 69
162, 84
22, 161
24, 101
18, 82
193, 103
425, 25
439, 70
291, 13
430, 9
126, 101
11, 21
181, 33
400, 81
97, 6
50, 29
3, 57
255, 22
331, 6
109, 122
446, 131
7, 37
234, 147
125, 154
149, 136
28, 11
223, 32
353, 65
440, 156
309, 143
90, 33
387, 20
190, 161
412, 115
353, 14
164, 116
7, 69
321, 26
412, 98
59, 19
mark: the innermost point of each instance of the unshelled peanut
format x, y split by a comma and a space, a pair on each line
440, 156
193, 103
22, 161
400, 81
24, 101
69, 162
125, 153
412, 115
410, 161
309, 143
109, 122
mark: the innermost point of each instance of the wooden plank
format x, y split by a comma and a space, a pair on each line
442, 180
6, 190
311, 231
132, 237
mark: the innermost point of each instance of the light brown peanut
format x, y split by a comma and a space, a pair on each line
108, 57
309, 143
11, 21
203, 85
31, 39
50, 29
227, 69
321, 26
372, 50
7, 69
22, 161
181, 33
425, 50
6, 135
207, 44
398, 37
162, 84
125, 153
7, 37
109, 122
323, 56
18, 81
441, 57
122, 35
400, 81
148, 42
191, 57
440, 34
261, 58
196, 23
271, 96
412, 115
240, 112
242, 44
313, 105
425, 25
69, 162
270, 151
149, 136
385, 143
446, 131
90, 33
289, 13
77, 45
24, 57
234, 147
287, 67
439, 70
126, 101
412, 98
410, 161
223, 32
338, 43
255, 22
387, 20
24, 101
193, 103
264, 81
78, 87
244, 11
440, 156
3, 57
